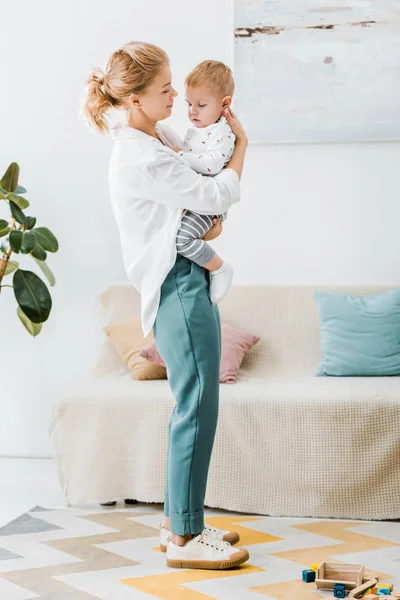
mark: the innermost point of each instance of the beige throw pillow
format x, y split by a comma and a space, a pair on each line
127, 338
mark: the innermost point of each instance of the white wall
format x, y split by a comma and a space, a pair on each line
308, 213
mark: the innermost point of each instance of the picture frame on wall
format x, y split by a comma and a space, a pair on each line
308, 71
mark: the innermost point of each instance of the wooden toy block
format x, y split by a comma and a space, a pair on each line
383, 592
370, 575
339, 590
357, 592
308, 575
329, 573
314, 566
389, 586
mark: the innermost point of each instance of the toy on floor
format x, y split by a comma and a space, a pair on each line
308, 575
339, 590
345, 578
330, 573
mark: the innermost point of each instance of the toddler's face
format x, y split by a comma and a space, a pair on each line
205, 107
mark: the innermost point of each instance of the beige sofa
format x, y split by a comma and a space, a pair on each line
287, 443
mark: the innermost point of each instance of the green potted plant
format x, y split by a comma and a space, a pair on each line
18, 234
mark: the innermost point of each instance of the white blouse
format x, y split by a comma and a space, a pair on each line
150, 188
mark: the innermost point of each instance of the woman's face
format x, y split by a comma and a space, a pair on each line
157, 101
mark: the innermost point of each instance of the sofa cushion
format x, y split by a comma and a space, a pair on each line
127, 338
235, 342
359, 335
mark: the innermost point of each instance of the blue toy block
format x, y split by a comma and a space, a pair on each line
308, 575
383, 592
339, 590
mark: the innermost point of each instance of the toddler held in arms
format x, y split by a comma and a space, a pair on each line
207, 148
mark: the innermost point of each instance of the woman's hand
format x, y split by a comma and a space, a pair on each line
235, 124
215, 230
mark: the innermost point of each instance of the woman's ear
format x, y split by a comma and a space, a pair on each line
134, 100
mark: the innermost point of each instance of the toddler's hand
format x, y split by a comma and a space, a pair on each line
215, 230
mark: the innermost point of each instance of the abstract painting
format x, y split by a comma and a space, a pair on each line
318, 70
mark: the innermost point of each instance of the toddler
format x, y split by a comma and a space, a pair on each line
207, 148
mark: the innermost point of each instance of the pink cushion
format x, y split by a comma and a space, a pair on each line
235, 342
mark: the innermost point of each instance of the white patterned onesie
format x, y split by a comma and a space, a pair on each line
206, 150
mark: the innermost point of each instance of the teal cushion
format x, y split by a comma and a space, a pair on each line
360, 335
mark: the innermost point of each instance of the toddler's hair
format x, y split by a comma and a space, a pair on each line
213, 74
129, 70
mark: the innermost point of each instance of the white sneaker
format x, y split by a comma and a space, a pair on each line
220, 534
220, 282
205, 552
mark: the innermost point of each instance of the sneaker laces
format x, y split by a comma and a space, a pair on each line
203, 538
208, 528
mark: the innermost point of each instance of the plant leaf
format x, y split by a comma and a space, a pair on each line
28, 242
46, 270
32, 328
3, 224
9, 181
18, 200
20, 190
4, 231
46, 239
3, 194
39, 252
11, 266
31, 222
22, 241
15, 239
32, 295
17, 213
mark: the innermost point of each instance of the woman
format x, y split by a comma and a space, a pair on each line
150, 188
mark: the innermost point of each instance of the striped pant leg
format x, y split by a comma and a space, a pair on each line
188, 239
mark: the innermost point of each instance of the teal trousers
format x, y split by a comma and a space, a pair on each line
187, 332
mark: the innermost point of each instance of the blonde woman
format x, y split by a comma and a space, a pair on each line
150, 188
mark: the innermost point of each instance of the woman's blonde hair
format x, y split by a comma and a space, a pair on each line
212, 74
129, 70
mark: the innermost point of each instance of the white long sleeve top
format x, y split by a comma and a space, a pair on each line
150, 187
208, 149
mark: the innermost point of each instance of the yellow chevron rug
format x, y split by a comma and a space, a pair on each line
113, 554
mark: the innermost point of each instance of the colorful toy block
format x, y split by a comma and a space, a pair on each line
383, 592
339, 590
314, 566
308, 575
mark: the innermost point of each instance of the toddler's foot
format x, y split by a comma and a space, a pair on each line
220, 282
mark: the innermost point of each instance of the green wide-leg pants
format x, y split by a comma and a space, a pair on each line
187, 332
